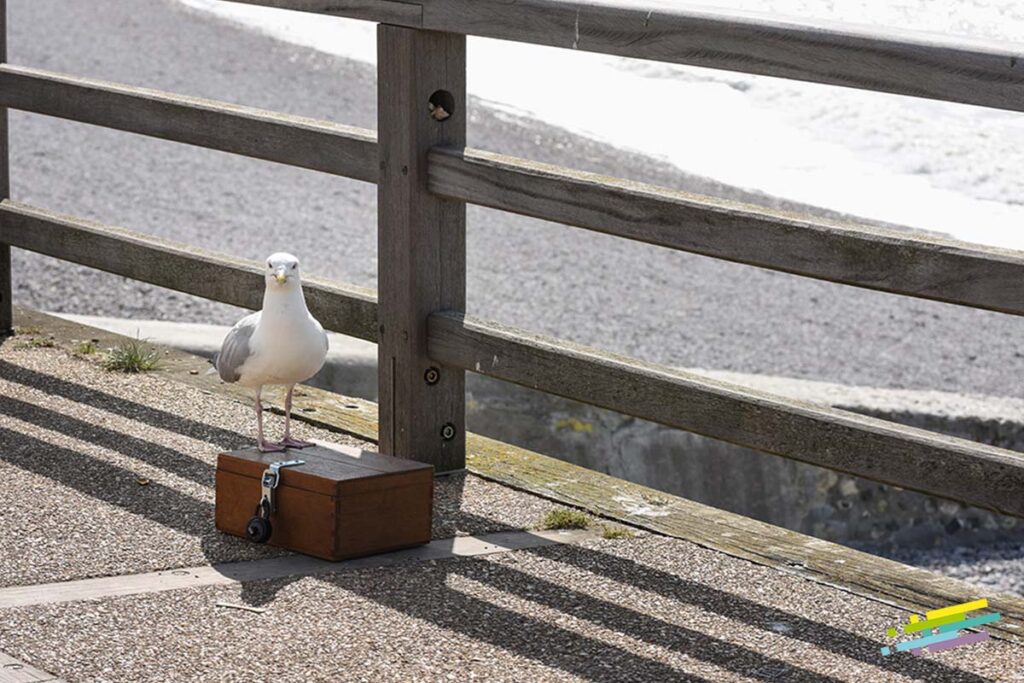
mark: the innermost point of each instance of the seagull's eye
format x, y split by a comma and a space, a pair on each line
269, 264
293, 266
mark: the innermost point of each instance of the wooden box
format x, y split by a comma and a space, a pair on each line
343, 502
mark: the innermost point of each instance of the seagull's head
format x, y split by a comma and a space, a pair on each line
282, 270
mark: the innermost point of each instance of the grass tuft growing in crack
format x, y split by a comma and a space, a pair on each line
564, 518
133, 355
614, 532
86, 348
36, 343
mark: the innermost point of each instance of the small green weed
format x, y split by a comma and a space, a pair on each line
133, 355
610, 531
564, 518
86, 348
37, 343
26, 330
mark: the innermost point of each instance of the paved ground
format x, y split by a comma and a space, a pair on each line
648, 609
663, 306
74, 439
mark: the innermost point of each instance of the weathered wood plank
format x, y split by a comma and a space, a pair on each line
16, 671
888, 260
379, 11
293, 140
830, 563
965, 471
421, 244
341, 308
973, 71
816, 560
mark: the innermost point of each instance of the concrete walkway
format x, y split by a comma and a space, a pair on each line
112, 475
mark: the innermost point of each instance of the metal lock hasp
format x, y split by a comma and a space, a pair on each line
271, 478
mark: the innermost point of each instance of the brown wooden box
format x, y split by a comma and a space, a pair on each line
344, 502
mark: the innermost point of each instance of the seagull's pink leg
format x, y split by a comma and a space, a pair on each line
288, 441
261, 443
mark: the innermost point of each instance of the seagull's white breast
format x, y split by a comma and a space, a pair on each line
288, 346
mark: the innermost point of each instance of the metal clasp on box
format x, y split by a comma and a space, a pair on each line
259, 528
271, 478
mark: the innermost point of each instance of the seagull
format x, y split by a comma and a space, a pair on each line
282, 344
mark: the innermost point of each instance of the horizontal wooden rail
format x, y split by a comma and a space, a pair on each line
957, 469
293, 140
887, 260
342, 308
976, 276
972, 71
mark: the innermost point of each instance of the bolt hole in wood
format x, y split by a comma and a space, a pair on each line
441, 105
448, 431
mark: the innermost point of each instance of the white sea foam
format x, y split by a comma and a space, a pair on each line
931, 165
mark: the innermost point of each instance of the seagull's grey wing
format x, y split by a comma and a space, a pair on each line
323, 334
235, 349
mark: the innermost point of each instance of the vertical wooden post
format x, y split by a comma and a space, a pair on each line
421, 243
6, 312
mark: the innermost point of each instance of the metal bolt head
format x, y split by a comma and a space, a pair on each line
432, 375
448, 431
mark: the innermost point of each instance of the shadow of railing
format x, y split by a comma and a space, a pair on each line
684, 640
56, 386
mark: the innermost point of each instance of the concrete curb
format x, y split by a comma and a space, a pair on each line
351, 367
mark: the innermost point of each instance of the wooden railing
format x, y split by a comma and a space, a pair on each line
425, 175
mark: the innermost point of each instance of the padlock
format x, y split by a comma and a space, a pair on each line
259, 529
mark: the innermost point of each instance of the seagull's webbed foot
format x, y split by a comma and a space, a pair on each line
289, 442
270, 447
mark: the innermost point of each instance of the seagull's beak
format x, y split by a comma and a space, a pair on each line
280, 276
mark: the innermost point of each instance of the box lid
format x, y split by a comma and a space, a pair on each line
326, 469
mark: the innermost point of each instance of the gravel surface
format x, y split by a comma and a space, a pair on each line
998, 568
645, 609
660, 305
75, 441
